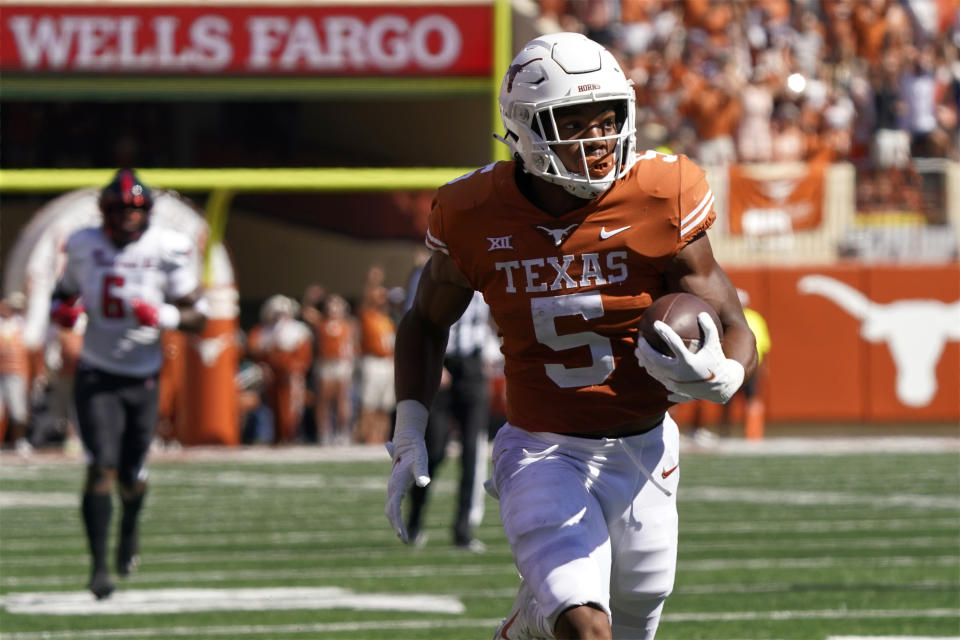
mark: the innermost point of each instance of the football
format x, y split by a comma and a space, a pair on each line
680, 311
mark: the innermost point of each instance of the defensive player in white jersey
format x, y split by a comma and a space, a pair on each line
133, 280
569, 243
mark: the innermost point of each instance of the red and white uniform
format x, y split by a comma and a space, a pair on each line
159, 266
588, 520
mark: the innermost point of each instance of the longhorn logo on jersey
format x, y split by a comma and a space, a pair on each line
557, 236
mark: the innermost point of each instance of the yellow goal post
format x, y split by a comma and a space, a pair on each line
222, 184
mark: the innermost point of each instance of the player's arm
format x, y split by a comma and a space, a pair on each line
187, 313
65, 303
716, 371
442, 296
193, 310
695, 270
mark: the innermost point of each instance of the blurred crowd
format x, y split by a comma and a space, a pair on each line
318, 369
874, 82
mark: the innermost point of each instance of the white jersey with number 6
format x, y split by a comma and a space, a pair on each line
160, 266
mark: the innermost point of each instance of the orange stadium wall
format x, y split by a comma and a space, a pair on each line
856, 343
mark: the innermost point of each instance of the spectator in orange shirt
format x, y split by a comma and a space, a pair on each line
14, 372
337, 348
283, 345
377, 399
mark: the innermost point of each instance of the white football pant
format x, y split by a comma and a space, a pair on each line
592, 521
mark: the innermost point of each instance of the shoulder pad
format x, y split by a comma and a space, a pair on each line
471, 189
662, 175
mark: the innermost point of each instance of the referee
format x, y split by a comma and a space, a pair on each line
462, 401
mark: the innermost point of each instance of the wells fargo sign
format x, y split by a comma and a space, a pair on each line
248, 39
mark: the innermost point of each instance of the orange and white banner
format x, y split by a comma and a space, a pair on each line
762, 206
213, 38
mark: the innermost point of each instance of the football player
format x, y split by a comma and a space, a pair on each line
133, 280
569, 242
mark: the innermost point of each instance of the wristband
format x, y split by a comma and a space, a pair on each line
168, 317
411, 416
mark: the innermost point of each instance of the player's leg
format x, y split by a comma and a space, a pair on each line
14, 389
141, 402
644, 535
326, 396
100, 417
343, 393
471, 410
557, 532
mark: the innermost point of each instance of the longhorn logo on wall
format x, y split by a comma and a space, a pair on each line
915, 331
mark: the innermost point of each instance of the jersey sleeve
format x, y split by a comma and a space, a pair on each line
181, 263
69, 282
695, 201
436, 236
446, 228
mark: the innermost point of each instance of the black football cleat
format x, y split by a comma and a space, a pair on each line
101, 585
127, 557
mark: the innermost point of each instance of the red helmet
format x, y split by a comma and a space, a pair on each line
125, 204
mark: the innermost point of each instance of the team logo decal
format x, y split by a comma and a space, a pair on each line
514, 70
557, 236
503, 242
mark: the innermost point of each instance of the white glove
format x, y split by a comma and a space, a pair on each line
409, 453
707, 374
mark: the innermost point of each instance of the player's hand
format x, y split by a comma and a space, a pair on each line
706, 375
166, 316
66, 312
409, 453
146, 313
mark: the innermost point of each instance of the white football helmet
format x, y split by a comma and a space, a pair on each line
559, 70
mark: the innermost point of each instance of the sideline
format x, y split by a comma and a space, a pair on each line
262, 454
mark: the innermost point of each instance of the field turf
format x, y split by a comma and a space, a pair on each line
815, 543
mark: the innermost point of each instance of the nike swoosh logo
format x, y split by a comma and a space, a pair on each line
666, 472
604, 234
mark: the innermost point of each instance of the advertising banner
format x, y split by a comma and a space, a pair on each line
248, 39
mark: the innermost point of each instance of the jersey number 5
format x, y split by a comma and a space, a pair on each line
587, 305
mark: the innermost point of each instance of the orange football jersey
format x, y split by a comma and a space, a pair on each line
377, 333
336, 338
567, 292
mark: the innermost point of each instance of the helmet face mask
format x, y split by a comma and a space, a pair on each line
125, 204
555, 75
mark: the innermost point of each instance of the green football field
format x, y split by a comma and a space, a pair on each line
814, 542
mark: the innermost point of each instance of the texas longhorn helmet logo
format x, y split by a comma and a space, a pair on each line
514, 70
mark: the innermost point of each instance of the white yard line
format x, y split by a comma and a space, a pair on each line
485, 569
347, 627
893, 637
236, 631
184, 556
9, 461
156, 601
